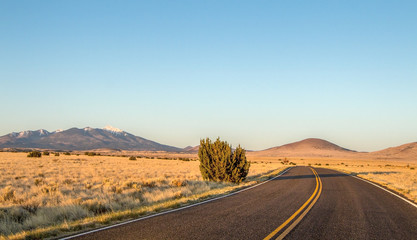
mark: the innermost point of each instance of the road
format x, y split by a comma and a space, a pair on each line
303, 203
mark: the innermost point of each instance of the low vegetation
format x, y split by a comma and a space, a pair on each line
34, 154
92, 154
48, 196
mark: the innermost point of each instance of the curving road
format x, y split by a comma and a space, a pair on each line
303, 203
350, 208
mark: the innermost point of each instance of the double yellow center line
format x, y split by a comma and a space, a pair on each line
301, 212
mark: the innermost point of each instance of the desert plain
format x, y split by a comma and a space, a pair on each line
58, 195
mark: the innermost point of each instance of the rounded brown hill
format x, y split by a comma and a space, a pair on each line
308, 147
191, 149
405, 151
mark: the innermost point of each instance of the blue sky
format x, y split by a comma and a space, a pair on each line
258, 73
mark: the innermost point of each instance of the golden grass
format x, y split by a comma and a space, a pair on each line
52, 195
56, 195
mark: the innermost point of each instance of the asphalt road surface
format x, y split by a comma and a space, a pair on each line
303, 203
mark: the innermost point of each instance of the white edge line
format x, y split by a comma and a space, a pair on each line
386, 190
395, 194
174, 210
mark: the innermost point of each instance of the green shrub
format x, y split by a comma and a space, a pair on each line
67, 153
219, 163
57, 154
46, 153
132, 158
35, 154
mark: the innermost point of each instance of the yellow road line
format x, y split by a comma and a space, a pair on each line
292, 226
318, 183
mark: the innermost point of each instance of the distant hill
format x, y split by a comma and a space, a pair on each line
309, 144
82, 139
314, 147
311, 147
191, 149
405, 151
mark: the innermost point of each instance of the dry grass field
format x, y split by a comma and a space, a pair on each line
55, 195
50, 195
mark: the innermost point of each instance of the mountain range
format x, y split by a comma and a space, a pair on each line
82, 139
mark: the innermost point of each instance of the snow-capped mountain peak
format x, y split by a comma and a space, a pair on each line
81, 139
23, 134
112, 129
20, 134
43, 132
29, 133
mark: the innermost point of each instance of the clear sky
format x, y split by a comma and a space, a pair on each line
258, 73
